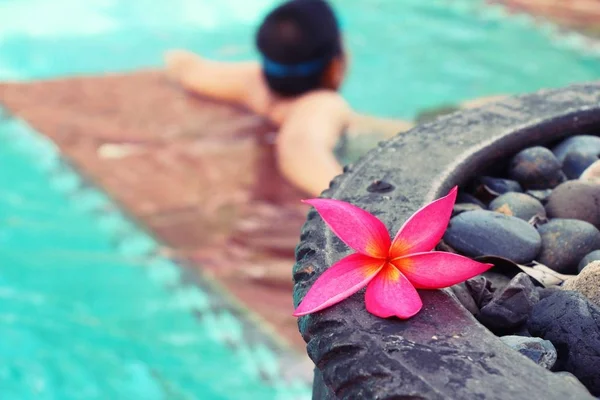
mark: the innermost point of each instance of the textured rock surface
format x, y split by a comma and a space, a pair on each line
441, 353
576, 200
536, 168
481, 290
587, 283
518, 205
478, 233
572, 324
571, 380
565, 242
510, 307
540, 351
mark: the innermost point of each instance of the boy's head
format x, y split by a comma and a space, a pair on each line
301, 46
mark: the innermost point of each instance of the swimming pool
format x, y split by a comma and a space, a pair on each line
412, 53
88, 308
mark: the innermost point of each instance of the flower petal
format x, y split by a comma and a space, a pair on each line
356, 227
436, 269
424, 229
341, 280
390, 293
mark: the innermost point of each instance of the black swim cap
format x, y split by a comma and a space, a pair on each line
298, 40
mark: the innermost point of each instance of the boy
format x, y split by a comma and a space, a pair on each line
295, 87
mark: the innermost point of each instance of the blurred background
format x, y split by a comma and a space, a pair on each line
90, 305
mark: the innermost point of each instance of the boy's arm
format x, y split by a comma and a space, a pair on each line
306, 141
223, 81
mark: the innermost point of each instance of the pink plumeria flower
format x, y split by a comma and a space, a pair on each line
391, 270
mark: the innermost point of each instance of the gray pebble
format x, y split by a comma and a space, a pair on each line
565, 242
584, 144
536, 168
576, 200
575, 163
482, 232
518, 205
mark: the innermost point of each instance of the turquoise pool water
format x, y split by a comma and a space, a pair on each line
406, 54
88, 309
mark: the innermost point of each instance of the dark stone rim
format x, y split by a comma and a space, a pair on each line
359, 355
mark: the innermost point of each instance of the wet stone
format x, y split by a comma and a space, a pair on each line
482, 232
518, 205
576, 163
498, 186
572, 324
576, 200
565, 242
587, 283
540, 351
510, 307
583, 144
536, 168
593, 256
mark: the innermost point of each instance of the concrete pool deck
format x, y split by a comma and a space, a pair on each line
197, 174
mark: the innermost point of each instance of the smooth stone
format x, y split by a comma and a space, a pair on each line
536, 168
576, 200
480, 290
576, 163
498, 186
481, 232
518, 205
541, 195
586, 283
510, 307
592, 256
591, 174
585, 144
565, 242
462, 207
540, 351
572, 324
